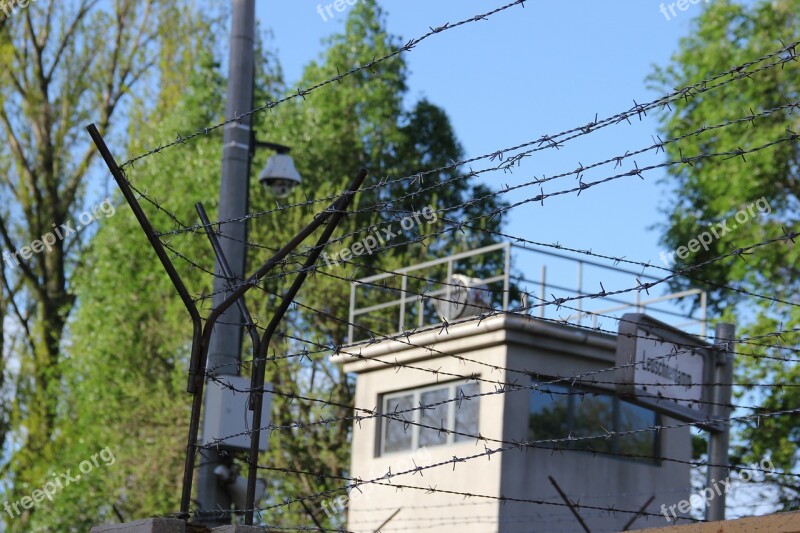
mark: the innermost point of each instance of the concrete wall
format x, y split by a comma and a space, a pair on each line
594, 480
443, 512
170, 525
499, 342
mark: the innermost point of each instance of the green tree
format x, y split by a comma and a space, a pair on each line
126, 374
714, 190
65, 64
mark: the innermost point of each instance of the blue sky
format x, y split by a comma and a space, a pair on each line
525, 72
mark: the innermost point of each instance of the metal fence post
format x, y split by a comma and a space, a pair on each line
718, 440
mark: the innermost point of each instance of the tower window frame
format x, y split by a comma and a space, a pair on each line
455, 408
572, 409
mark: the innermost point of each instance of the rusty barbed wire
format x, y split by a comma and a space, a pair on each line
384, 206
504, 386
403, 337
507, 164
374, 336
546, 444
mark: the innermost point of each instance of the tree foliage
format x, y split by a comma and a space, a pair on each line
67, 64
716, 189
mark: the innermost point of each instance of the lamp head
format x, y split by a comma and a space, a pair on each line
280, 175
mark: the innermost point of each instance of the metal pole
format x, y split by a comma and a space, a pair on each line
570, 504
222, 261
226, 340
718, 440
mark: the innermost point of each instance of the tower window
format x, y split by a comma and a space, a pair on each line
453, 408
558, 411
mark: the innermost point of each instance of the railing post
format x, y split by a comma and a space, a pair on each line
580, 293
403, 290
448, 285
543, 291
704, 313
352, 316
507, 277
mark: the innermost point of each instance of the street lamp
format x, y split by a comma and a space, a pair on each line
279, 174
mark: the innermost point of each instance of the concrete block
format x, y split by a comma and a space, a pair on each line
149, 525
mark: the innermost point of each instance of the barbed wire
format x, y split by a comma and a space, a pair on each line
295, 426
397, 416
503, 386
404, 336
523, 310
302, 93
489, 311
523, 243
517, 240
737, 72
558, 302
507, 164
458, 225
578, 172
356, 483
557, 246
545, 444
385, 207
328, 349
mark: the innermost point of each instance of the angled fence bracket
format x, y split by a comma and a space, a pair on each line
201, 334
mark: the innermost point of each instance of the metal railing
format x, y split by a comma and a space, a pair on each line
697, 317
408, 309
414, 298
